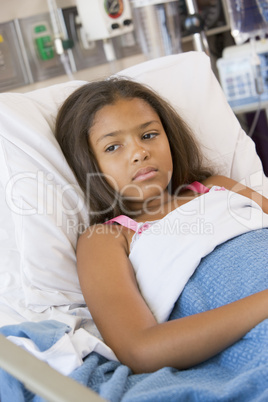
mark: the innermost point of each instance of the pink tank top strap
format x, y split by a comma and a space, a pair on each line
198, 187
133, 225
125, 221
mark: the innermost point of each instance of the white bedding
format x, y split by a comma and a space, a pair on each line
66, 354
167, 254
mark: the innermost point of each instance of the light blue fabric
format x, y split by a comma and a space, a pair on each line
44, 334
235, 269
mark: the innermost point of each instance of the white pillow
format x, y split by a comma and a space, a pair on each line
43, 198
9, 254
42, 195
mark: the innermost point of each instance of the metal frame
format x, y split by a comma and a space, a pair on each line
40, 378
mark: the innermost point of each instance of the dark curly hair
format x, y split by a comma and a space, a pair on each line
75, 119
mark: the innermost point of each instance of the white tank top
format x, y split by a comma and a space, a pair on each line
165, 253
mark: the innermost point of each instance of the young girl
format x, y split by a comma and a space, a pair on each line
155, 212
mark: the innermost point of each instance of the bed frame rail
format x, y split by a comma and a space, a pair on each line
40, 378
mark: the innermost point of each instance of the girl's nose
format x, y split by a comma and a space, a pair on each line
140, 154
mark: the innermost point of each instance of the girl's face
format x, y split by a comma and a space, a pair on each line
132, 149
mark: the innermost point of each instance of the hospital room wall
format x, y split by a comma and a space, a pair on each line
17, 9
12, 9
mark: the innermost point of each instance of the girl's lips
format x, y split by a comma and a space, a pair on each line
145, 174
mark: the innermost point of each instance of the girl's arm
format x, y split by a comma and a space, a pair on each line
236, 187
127, 325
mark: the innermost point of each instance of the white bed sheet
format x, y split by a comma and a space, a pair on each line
66, 354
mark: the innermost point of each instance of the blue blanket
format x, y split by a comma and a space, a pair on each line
233, 270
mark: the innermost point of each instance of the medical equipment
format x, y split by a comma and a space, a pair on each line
37, 41
60, 42
14, 71
105, 20
43, 41
194, 25
157, 25
88, 54
248, 19
243, 69
214, 13
242, 86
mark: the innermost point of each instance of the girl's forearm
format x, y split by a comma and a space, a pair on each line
185, 342
128, 326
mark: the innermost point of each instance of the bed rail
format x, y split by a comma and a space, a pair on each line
40, 378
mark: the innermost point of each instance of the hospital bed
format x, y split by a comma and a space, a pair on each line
42, 309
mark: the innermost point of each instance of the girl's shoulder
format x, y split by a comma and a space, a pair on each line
221, 181
102, 236
239, 188
101, 231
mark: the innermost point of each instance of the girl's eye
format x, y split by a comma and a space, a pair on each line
148, 136
111, 148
